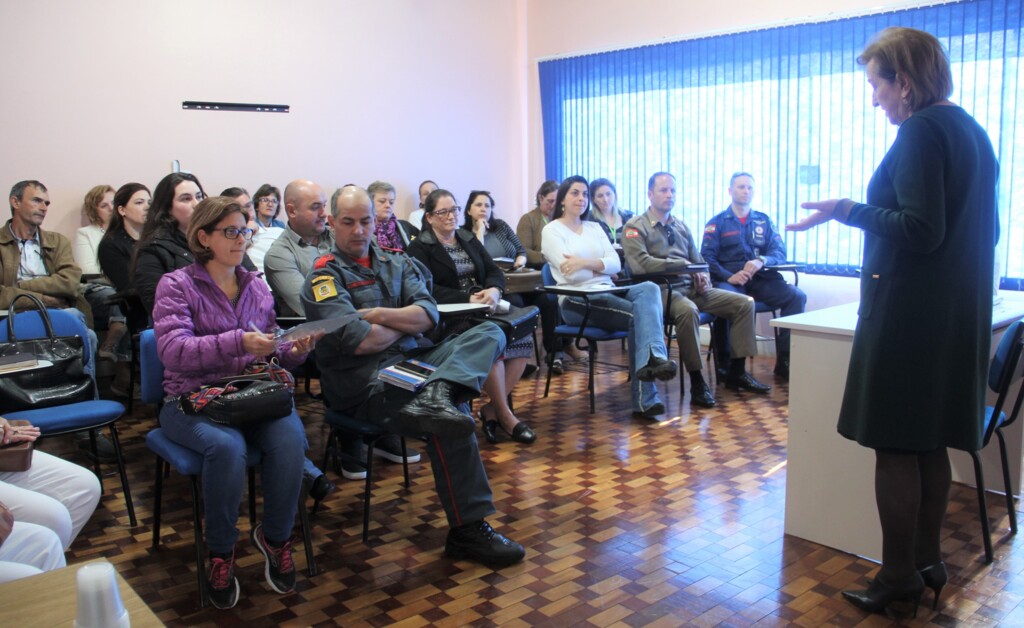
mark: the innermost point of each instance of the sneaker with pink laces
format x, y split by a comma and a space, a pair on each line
222, 584
280, 568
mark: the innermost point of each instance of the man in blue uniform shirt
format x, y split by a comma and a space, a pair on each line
390, 291
739, 244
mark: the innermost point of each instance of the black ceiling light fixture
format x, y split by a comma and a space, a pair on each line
201, 105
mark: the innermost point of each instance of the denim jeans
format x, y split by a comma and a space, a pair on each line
638, 311
224, 450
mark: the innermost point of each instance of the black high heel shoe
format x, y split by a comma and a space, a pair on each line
490, 429
880, 595
935, 577
521, 433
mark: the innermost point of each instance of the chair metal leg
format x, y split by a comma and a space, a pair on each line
157, 500
197, 527
1011, 508
95, 458
592, 356
405, 462
124, 476
536, 347
307, 534
979, 478
367, 492
551, 361
252, 497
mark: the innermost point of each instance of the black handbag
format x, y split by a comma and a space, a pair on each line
517, 323
61, 382
243, 401
262, 393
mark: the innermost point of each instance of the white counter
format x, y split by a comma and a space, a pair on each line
829, 479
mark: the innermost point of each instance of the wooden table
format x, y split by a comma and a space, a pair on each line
50, 599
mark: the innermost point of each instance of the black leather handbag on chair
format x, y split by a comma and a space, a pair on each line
517, 323
60, 376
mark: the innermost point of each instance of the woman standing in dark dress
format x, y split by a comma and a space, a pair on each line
916, 381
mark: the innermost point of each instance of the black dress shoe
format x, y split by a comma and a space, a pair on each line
747, 382
657, 368
320, 489
782, 368
521, 433
653, 412
879, 595
478, 541
433, 411
490, 429
700, 395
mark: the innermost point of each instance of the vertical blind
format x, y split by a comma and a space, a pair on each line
789, 105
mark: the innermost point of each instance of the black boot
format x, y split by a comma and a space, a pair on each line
478, 541
433, 411
657, 368
740, 379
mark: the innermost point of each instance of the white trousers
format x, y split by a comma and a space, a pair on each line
53, 493
29, 550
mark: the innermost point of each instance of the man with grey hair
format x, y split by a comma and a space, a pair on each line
390, 291
391, 233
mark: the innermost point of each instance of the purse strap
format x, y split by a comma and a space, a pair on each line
39, 307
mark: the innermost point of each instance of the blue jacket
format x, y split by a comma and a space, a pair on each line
729, 244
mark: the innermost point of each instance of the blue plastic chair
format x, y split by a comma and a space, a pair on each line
579, 333
187, 462
83, 416
1002, 374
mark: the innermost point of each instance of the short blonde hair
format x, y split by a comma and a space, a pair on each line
91, 205
207, 214
917, 55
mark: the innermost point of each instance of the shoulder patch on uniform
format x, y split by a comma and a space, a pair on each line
710, 228
324, 289
631, 233
322, 261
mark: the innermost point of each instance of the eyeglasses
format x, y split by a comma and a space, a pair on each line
232, 233
269, 200
444, 213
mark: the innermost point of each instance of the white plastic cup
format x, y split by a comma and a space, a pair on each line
99, 599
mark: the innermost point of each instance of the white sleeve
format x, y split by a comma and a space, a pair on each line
612, 263
553, 245
84, 252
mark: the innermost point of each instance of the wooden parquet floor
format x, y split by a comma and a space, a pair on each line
626, 522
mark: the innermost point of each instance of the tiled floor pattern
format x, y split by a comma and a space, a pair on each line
626, 522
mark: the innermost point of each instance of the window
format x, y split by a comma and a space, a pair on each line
789, 105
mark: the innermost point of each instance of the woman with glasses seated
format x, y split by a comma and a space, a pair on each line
580, 255
391, 233
268, 206
212, 319
464, 272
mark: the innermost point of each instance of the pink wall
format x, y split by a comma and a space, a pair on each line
401, 90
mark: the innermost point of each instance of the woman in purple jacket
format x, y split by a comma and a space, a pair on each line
205, 318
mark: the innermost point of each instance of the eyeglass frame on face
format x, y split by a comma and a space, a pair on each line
270, 200
245, 232
444, 213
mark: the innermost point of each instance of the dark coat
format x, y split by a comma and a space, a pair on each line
920, 352
165, 253
431, 253
115, 255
